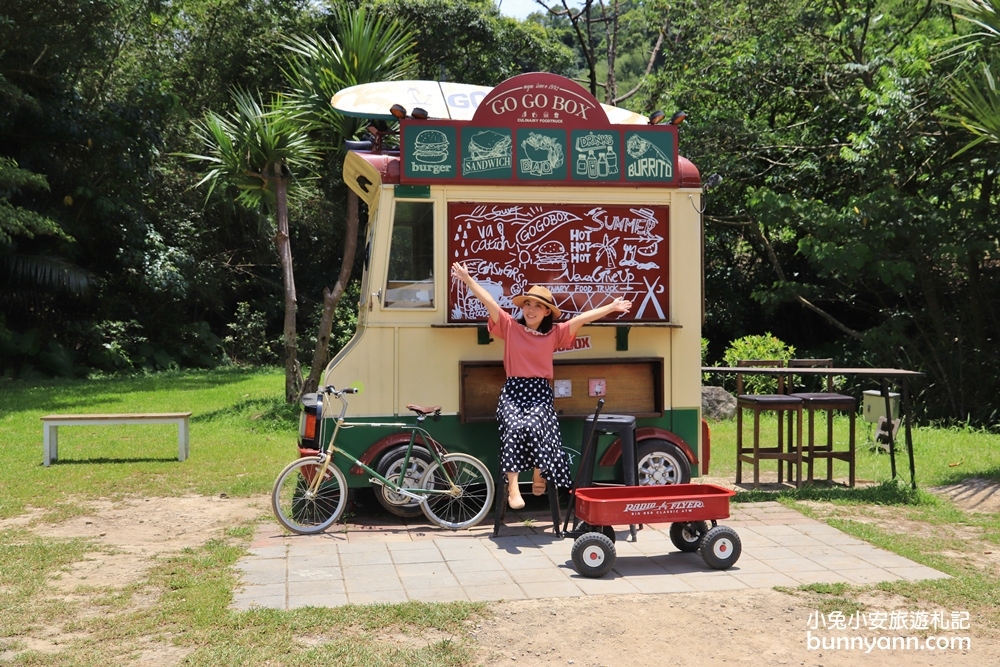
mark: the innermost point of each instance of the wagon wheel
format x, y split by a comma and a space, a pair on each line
593, 555
687, 535
721, 547
607, 531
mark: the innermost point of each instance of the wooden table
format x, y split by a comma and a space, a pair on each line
884, 375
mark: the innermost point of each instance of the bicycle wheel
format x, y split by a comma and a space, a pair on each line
463, 505
303, 511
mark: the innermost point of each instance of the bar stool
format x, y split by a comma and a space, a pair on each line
500, 503
779, 403
622, 426
825, 401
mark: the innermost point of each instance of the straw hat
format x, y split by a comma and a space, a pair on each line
543, 296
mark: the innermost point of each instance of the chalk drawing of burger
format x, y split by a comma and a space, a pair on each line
430, 146
551, 256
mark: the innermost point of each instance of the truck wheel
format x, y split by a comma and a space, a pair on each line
661, 462
390, 466
593, 555
687, 535
721, 547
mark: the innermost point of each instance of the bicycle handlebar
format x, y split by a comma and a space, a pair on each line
330, 389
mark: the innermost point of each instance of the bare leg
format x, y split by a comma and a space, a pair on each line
538, 483
514, 498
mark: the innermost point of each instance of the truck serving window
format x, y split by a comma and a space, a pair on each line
410, 281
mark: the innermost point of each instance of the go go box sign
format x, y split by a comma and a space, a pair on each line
538, 129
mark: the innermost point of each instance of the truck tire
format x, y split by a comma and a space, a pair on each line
389, 466
661, 463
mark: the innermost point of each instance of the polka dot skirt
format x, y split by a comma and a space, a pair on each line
529, 431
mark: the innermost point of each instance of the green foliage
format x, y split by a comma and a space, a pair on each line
16, 220
758, 347
367, 47
255, 148
974, 88
345, 321
469, 42
249, 341
765, 346
841, 222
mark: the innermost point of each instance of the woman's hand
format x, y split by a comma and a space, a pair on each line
620, 305
460, 271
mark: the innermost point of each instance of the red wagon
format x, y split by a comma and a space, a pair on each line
689, 508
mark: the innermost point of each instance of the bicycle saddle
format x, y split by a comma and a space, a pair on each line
423, 411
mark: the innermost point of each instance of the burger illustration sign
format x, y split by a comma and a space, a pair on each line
431, 153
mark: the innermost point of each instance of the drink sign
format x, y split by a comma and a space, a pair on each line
586, 255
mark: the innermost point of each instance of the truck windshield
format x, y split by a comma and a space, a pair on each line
410, 279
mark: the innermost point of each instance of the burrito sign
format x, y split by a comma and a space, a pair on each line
538, 129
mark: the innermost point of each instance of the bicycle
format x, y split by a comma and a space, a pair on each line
310, 494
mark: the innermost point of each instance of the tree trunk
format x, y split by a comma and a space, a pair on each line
321, 356
611, 28
293, 379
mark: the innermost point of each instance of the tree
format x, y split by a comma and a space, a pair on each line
262, 151
975, 88
367, 48
600, 27
469, 42
842, 224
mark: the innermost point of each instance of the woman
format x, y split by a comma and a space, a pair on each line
529, 431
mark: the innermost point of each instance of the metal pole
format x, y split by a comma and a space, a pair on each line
888, 419
905, 410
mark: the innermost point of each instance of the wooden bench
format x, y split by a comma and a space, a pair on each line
51, 424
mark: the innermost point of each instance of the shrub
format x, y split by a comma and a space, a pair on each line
766, 346
249, 342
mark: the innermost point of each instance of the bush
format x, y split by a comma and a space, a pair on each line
249, 342
762, 347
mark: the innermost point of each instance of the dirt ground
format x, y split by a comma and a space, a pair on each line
758, 627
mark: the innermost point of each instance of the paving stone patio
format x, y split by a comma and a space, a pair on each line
390, 560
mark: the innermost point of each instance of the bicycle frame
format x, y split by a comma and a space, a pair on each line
419, 495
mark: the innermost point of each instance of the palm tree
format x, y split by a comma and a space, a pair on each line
369, 48
262, 150
975, 88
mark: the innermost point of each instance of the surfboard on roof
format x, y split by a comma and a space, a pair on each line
441, 99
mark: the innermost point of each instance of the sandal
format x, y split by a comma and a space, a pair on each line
515, 503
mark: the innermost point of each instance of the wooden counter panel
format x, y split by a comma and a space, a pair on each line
634, 386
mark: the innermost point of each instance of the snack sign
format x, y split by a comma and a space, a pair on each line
538, 129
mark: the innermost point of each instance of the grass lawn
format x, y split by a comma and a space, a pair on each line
242, 433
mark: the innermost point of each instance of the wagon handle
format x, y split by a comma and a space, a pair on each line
584, 456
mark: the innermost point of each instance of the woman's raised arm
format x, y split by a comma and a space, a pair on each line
459, 270
619, 305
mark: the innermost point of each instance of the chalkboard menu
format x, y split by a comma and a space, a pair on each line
586, 255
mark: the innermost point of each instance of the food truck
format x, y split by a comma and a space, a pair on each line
533, 182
